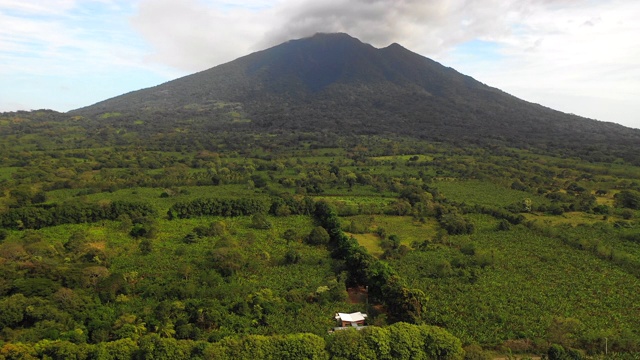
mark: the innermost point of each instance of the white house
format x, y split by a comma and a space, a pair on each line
355, 319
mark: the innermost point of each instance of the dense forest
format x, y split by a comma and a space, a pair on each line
126, 238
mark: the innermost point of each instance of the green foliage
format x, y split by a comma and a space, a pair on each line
628, 199
86, 272
190, 238
295, 346
70, 213
455, 224
12, 310
217, 207
216, 228
292, 256
144, 228
318, 236
260, 221
146, 246
504, 225
556, 352
398, 341
475, 352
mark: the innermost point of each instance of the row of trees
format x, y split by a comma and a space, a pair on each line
403, 303
398, 341
36, 217
216, 207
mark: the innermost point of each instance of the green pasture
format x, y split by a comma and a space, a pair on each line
484, 193
371, 242
406, 228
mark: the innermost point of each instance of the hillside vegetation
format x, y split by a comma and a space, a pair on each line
335, 84
126, 238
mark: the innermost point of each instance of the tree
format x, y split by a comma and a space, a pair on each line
406, 304
455, 224
405, 341
119, 349
564, 331
76, 240
292, 256
153, 346
440, 344
12, 310
628, 199
144, 227
93, 274
146, 246
260, 221
190, 238
556, 352
351, 179
318, 236
290, 235
394, 240
350, 344
504, 225
627, 214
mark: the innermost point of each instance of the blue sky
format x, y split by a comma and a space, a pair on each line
577, 56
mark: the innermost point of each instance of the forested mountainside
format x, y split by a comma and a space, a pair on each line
335, 83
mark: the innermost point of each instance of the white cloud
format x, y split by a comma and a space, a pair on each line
580, 58
42, 39
196, 35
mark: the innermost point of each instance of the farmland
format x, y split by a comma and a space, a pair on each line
105, 239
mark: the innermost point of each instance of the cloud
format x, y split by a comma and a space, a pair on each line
196, 35
426, 26
43, 39
578, 57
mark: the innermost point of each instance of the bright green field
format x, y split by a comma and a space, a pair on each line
529, 280
483, 192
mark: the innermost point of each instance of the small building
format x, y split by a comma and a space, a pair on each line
355, 319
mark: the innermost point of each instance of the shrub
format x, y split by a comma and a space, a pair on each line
292, 256
455, 224
628, 199
260, 221
318, 236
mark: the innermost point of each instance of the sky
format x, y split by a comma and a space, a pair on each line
576, 56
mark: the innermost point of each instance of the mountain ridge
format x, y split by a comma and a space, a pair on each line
315, 73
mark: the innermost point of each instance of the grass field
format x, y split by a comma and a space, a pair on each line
371, 242
484, 192
405, 227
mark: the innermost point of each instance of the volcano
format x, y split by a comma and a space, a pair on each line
336, 83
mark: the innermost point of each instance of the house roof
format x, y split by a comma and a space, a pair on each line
353, 317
